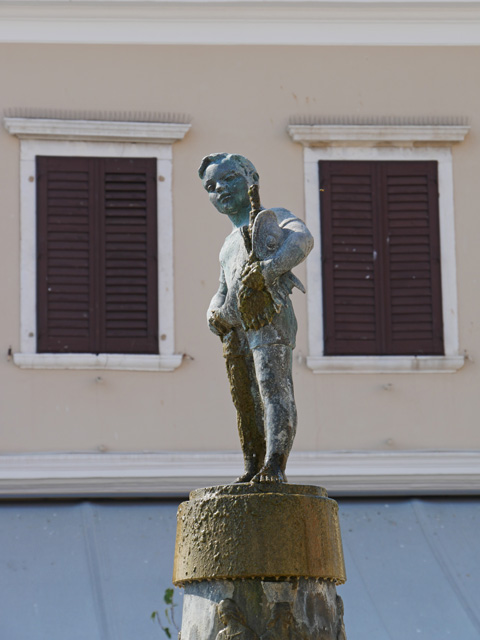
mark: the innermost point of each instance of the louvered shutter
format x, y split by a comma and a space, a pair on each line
350, 271
411, 246
65, 300
129, 264
380, 258
97, 242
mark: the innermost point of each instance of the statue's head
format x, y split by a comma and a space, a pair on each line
227, 177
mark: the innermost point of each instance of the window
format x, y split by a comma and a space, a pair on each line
133, 334
97, 255
382, 152
380, 258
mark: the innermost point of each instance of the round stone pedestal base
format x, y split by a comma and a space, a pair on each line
260, 562
258, 530
302, 609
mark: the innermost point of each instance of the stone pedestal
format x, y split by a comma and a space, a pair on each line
260, 561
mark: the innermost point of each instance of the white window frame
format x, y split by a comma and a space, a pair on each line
50, 137
381, 143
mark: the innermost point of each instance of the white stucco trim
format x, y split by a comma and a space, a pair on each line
113, 361
385, 364
234, 22
165, 133
176, 473
371, 143
370, 134
55, 142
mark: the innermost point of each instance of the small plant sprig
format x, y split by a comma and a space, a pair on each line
169, 613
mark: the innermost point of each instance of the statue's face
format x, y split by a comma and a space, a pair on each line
227, 187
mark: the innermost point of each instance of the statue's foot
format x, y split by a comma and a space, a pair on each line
270, 472
246, 477
253, 464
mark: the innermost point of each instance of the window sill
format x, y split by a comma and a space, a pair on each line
385, 364
114, 361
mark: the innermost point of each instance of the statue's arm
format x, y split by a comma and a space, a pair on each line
297, 244
295, 248
214, 308
219, 298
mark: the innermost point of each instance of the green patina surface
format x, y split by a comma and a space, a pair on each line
253, 315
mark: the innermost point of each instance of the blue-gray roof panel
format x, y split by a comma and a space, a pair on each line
406, 566
96, 570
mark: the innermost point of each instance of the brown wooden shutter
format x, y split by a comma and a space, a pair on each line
350, 272
411, 243
381, 261
129, 261
97, 240
65, 300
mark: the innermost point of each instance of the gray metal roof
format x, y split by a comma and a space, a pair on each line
97, 570
413, 569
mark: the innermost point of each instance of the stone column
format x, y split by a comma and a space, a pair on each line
260, 561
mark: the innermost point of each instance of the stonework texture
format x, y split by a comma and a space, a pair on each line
303, 609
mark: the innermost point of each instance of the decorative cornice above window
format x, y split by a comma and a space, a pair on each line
376, 135
96, 130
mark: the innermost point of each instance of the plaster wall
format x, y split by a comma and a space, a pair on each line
240, 100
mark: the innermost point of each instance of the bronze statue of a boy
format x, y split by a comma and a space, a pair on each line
253, 314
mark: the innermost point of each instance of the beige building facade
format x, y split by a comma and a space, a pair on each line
164, 423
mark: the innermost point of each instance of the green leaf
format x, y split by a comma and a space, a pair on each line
154, 615
167, 632
168, 596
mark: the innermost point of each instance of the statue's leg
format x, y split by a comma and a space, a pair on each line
273, 368
248, 404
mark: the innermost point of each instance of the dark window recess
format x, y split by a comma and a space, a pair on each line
97, 255
381, 258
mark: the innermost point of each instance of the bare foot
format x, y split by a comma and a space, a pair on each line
252, 466
270, 473
246, 477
